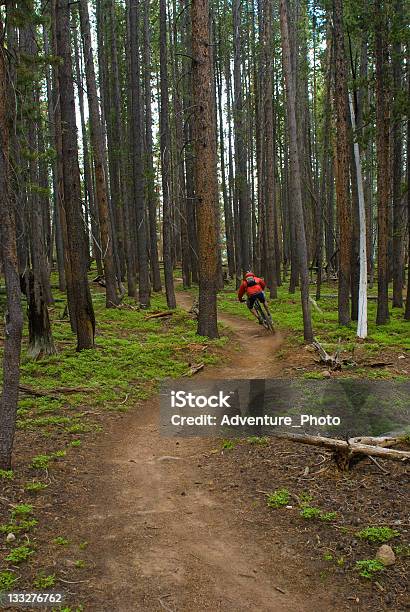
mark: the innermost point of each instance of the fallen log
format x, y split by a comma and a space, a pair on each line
344, 451
158, 315
385, 441
52, 392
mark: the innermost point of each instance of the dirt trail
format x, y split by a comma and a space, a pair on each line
257, 347
161, 537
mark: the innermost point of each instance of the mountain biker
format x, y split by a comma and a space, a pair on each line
253, 286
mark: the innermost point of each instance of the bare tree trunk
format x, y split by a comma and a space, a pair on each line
150, 185
80, 303
97, 140
407, 310
52, 138
8, 253
399, 217
241, 182
206, 183
342, 165
268, 152
296, 197
382, 136
144, 288
362, 297
89, 199
165, 160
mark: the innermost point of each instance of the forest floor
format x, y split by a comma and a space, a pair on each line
124, 519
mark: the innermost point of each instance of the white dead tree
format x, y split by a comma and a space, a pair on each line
362, 318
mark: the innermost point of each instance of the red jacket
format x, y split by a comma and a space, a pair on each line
260, 286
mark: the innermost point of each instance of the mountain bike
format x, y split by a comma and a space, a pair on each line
264, 315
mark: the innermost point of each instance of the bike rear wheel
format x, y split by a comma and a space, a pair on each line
264, 316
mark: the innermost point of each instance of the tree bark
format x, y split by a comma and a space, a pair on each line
399, 217
362, 298
342, 166
165, 160
8, 253
80, 303
206, 183
241, 181
144, 288
382, 138
149, 164
97, 141
297, 205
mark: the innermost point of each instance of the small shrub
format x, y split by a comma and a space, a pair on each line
36, 485
228, 444
378, 535
20, 527
40, 462
80, 563
261, 441
7, 474
278, 498
61, 541
75, 443
328, 516
19, 554
368, 567
44, 582
7, 579
22, 510
310, 512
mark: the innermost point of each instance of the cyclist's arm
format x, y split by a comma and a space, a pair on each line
241, 291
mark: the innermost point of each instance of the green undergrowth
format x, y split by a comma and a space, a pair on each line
133, 354
287, 315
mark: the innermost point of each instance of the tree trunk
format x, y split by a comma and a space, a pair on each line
144, 288
241, 182
407, 310
268, 152
342, 165
39, 327
382, 137
362, 298
97, 141
399, 217
80, 303
14, 314
165, 160
206, 183
149, 164
296, 197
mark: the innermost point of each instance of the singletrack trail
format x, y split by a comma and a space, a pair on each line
163, 537
257, 347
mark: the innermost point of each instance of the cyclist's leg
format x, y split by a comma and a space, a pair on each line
250, 302
262, 300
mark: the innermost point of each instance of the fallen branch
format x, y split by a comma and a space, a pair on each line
315, 305
344, 450
51, 392
194, 369
157, 315
376, 364
385, 441
330, 360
